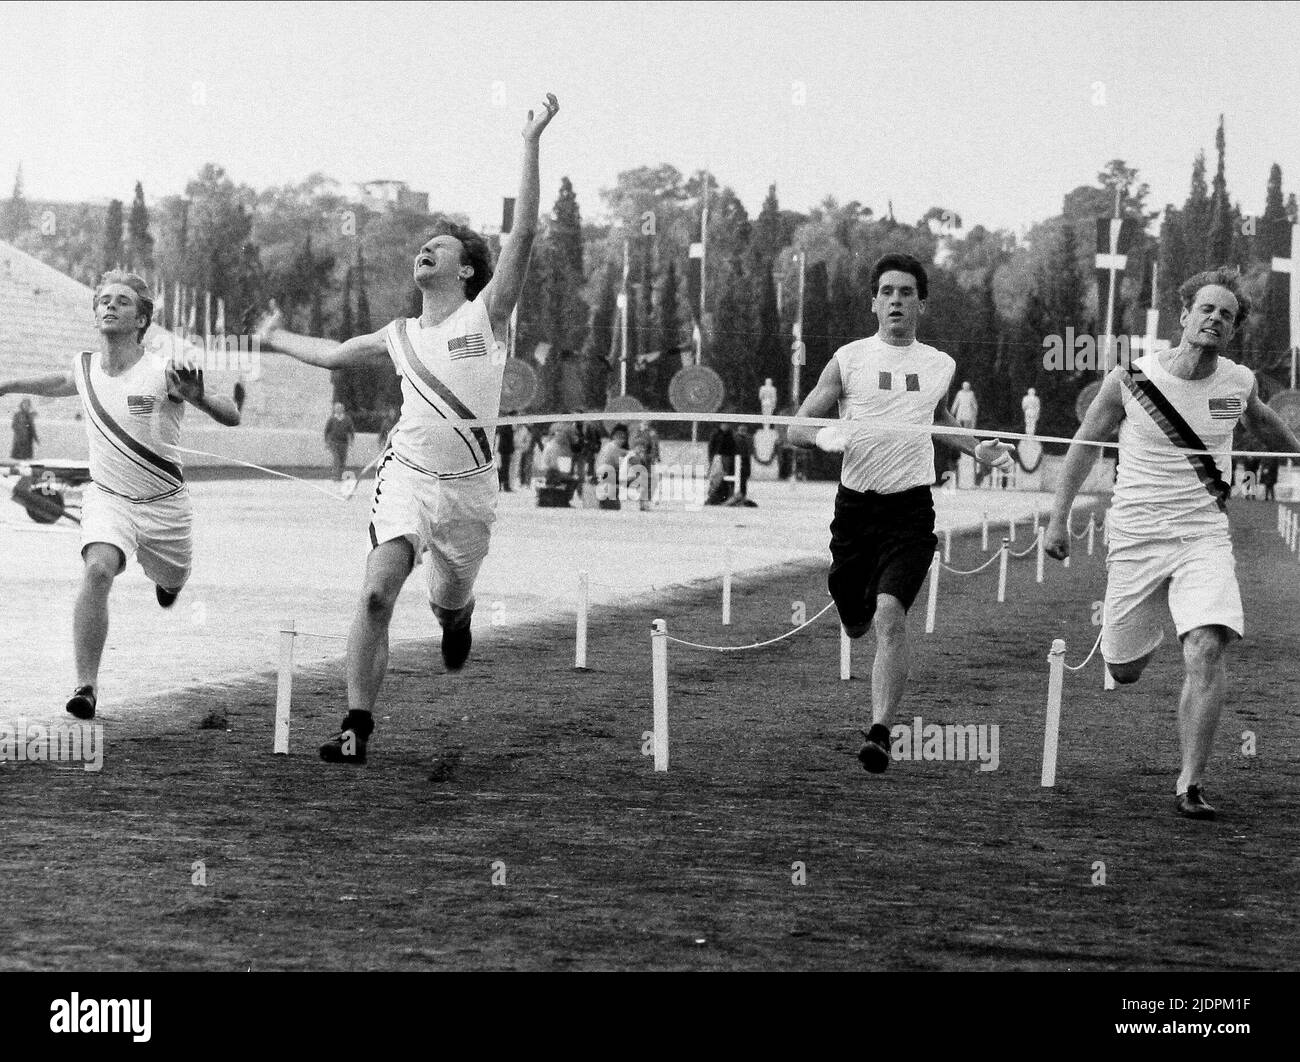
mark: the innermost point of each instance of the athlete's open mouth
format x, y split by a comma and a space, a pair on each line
424, 260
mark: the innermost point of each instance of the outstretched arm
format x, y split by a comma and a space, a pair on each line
323, 353
1265, 424
1100, 422
52, 385
820, 401
507, 282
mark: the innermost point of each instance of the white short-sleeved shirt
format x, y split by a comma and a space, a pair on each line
132, 426
450, 372
1161, 492
882, 382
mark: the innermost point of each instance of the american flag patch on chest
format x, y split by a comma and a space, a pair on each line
1225, 408
139, 405
468, 346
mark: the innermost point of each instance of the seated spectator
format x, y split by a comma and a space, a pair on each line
558, 468
722, 462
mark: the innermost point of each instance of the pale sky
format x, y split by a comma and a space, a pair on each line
991, 110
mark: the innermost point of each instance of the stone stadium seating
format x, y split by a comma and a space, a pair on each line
46, 317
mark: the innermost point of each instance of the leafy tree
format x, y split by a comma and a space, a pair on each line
1197, 211
15, 218
113, 256
732, 355
771, 354
1174, 269
139, 257
1223, 218
566, 228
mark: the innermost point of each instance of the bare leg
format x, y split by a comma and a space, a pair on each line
1204, 691
889, 672
386, 570
90, 616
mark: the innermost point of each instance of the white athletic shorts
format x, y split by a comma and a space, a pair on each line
159, 533
1194, 580
451, 518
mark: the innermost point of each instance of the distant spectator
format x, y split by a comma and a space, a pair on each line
25, 436
1268, 476
745, 450
645, 452
722, 461
529, 442
608, 462
505, 451
339, 433
585, 448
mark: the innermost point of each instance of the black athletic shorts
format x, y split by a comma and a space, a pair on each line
880, 544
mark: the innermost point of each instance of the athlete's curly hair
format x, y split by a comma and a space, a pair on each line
143, 296
476, 253
1224, 277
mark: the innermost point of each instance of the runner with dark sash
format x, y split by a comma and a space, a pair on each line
436, 485
1168, 544
139, 505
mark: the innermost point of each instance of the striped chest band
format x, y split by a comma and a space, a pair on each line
1178, 432
424, 382
168, 472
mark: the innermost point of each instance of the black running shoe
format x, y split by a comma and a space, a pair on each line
349, 744
874, 754
166, 598
455, 646
83, 702
1192, 804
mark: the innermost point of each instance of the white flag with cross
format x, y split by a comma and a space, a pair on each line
1292, 265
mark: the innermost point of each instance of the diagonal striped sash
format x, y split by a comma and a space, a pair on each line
168, 471
443, 392
1178, 432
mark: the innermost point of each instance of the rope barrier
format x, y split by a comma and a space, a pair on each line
973, 571
756, 645
1080, 667
1026, 551
335, 495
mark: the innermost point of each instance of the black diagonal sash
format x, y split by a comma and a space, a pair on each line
168, 471
442, 391
1178, 432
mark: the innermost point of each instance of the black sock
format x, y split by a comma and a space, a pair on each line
362, 722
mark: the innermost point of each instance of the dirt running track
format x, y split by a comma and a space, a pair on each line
523, 769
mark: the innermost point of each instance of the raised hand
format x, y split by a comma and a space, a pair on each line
533, 126
270, 322
185, 383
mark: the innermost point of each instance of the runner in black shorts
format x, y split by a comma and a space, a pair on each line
882, 536
880, 544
